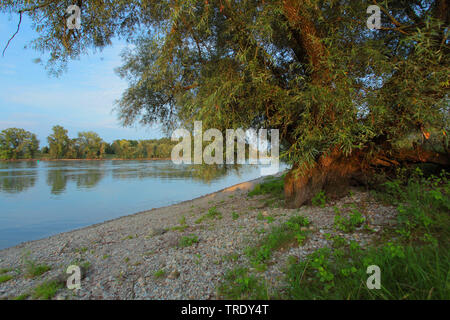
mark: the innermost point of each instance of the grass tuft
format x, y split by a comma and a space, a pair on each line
47, 290
188, 241
273, 186
33, 269
241, 285
5, 277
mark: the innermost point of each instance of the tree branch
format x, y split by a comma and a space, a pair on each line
18, 28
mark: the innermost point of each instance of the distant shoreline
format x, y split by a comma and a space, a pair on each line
104, 159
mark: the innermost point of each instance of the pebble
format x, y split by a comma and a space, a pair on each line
123, 260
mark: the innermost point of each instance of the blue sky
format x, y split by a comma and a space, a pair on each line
81, 99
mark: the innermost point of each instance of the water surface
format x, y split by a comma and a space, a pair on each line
39, 199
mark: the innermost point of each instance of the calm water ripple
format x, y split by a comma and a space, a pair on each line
39, 199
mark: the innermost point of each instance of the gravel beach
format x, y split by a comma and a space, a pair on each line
175, 252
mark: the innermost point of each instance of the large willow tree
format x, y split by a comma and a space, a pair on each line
341, 95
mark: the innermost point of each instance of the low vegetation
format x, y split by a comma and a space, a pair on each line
188, 241
22, 296
319, 200
413, 254
240, 284
4, 270
33, 269
160, 274
292, 232
183, 225
273, 186
47, 290
349, 224
212, 214
5, 277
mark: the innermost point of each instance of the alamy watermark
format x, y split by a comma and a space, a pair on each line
259, 147
74, 280
74, 19
374, 21
374, 280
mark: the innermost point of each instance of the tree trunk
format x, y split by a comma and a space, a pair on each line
331, 174
334, 173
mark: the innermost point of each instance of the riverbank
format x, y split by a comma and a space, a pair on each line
181, 251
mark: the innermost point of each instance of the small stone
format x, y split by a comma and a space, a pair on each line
61, 297
156, 231
174, 275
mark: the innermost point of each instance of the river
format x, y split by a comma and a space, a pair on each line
42, 198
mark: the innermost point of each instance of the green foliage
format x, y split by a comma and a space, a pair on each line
160, 273
5, 277
406, 273
183, 225
422, 203
320, 199
413, 266
60, 145
249, 67
240, 285
90, 145
18, 144
32, 269
231, 257
5, 270
47, 290
187, 241
81, 250
415, 270
179, 228
261, 217
143, 149
292, 231
212, 214
82, 263
273, 186
269, 219
22, 296
252, 64
349, 224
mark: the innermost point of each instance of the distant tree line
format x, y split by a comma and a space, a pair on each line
142, 149
20, 144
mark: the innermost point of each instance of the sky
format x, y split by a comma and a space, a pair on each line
81, 99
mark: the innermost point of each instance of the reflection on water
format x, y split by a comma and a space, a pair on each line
57, 179
14, 179
167, 170
38, 199
18, 180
